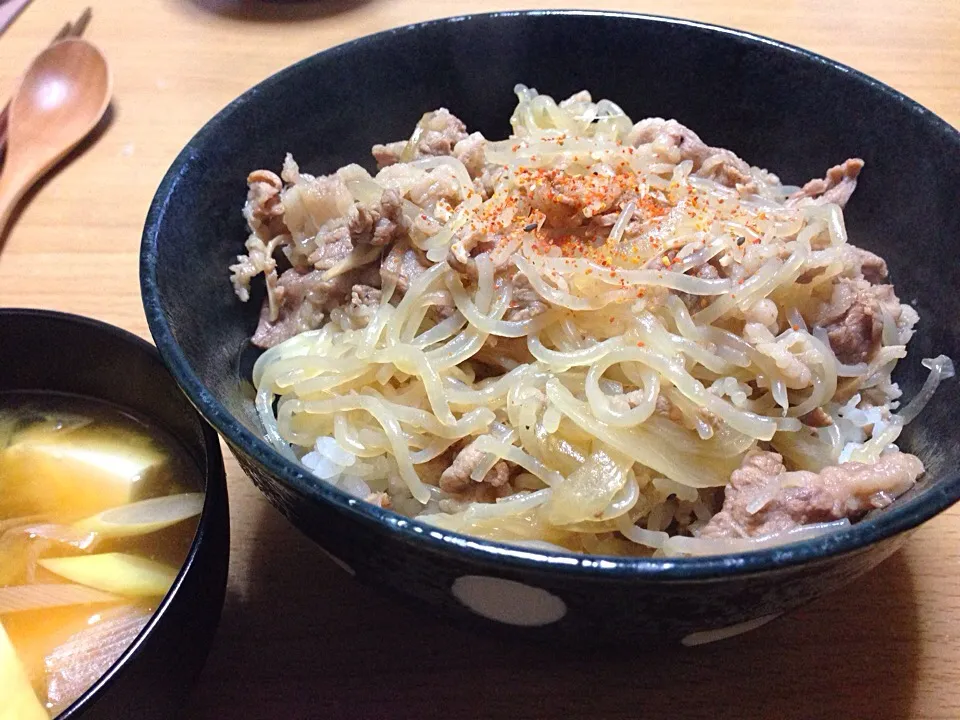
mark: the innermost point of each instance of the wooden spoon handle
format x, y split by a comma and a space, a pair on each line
12, 189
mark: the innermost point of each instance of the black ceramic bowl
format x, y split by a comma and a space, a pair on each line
55, 352
777, 106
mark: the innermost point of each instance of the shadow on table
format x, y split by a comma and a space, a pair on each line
306, 641
278, 11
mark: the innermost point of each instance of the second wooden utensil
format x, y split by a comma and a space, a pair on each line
9, 11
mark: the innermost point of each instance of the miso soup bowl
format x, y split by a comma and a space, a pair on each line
56, 352
777, 106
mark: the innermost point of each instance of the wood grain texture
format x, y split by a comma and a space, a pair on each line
301, 640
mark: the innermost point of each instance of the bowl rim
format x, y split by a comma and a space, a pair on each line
215, 494
893, 521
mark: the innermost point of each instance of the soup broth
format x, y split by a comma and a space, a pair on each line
98, 509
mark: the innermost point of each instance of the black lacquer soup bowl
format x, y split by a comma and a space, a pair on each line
55, 352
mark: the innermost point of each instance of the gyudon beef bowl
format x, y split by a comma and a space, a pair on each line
590, 359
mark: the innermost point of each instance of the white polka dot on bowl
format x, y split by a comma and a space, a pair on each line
507, 601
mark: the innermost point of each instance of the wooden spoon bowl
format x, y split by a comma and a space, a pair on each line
60, 100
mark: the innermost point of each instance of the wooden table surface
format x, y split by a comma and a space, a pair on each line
298, 638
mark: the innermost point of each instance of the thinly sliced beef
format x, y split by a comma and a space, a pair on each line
467, 244
259, 259
379, 223
456, 478
402, 266
859, 264
872, 267
836, 187
854, 318
570, 200
388, 154
504, 354
728, 169
438, 184
670, 134
440, 132
486, 183
303, 299
364, 301
525, 302
333, 244
426, 225
471, 151
763, 498
264, 208
717, 164
313, 205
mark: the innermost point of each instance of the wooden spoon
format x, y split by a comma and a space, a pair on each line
62, 97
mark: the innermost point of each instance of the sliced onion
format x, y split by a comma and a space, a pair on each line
22, 598
144, 517
119, 573
86, 656
587, 492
